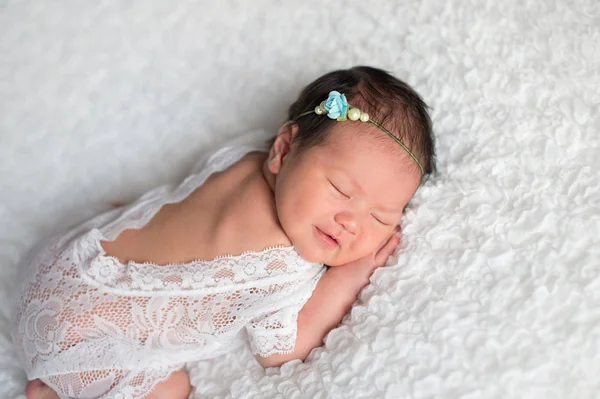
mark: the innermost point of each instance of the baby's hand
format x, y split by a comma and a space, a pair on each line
386, 249
362, 269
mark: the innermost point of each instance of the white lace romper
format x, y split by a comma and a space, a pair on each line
90, 326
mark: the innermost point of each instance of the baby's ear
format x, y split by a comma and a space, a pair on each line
282, 145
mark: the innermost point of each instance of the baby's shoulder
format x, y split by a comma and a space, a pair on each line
260, 213
250, 215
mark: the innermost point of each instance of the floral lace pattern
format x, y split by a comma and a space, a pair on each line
115, 383
90, 326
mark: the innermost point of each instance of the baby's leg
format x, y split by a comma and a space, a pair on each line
36, 389
176, 387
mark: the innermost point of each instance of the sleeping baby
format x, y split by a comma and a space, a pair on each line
264, 243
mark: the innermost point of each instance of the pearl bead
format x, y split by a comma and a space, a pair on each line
364, 117
353, 114
318, 110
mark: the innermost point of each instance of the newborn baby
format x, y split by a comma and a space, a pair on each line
269, 243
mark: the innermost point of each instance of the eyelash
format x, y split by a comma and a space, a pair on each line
347, 196
338, 190
382, 223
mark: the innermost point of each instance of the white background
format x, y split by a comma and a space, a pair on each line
497, 286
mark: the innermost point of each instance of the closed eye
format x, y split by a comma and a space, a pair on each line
338, 190
380, 221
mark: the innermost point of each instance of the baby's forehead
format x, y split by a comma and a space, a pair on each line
372, 163
363, 142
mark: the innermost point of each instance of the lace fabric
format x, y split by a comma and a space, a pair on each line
118, 383
91, 326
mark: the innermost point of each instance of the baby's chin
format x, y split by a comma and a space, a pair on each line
312, 253
308, 254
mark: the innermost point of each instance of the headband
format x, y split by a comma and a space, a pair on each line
336, 107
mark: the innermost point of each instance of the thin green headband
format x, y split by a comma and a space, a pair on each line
336, 107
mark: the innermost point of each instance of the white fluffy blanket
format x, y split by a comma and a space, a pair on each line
496, 290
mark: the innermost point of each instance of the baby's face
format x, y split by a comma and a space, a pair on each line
339, 201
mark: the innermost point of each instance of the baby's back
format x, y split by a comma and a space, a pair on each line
232, 212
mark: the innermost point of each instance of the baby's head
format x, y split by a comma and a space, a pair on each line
341, 186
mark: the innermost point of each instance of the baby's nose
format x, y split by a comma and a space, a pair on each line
348, 221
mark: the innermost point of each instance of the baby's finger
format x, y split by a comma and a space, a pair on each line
387, 250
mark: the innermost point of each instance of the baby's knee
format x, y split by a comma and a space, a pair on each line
36, 389
176, 387
180, 383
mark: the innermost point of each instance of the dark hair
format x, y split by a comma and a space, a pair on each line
389, 101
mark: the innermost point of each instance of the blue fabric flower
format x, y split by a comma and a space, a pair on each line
336, 106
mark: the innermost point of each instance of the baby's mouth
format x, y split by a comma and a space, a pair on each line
333, 238
329, 240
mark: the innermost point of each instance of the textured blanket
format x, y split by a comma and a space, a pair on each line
495, 290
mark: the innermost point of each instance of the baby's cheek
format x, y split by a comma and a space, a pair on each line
344, 257
368, 244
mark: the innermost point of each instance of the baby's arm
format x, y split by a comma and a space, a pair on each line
331, 300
